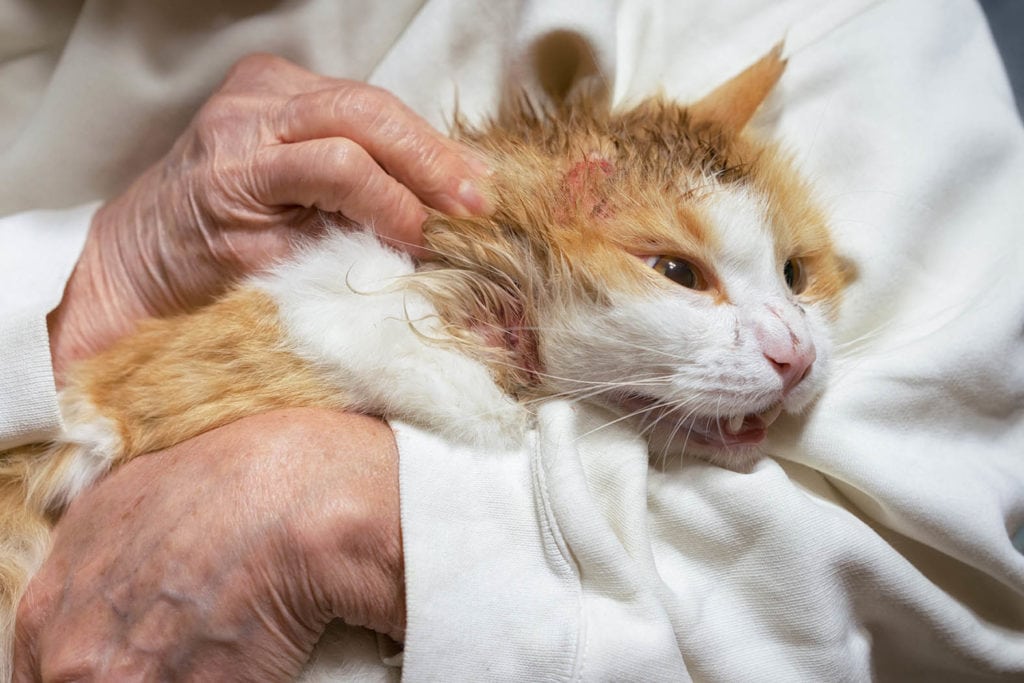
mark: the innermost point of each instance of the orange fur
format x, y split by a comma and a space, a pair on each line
732, 104
24, 542
580, 192
177, 377
171, 380
657, 159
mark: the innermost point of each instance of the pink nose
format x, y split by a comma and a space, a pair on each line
793, 363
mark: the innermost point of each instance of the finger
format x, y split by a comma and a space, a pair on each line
25, 664
435, 168
337, 175
266, 74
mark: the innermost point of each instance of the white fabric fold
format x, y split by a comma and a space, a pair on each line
876, 543
38, 250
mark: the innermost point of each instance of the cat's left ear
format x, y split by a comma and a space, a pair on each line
732, 104
570, 74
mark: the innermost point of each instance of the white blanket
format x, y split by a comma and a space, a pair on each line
877, 542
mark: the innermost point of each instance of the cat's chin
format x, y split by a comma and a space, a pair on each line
733, 442
667, 447
714, 431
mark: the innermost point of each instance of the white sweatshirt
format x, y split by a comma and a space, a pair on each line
878, 540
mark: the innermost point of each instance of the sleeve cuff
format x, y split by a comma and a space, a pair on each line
534, 563
38, 251
475, 544
28, 395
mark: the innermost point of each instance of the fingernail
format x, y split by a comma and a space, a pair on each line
472, 199
478, 166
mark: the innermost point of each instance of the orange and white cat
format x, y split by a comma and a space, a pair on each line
657, 260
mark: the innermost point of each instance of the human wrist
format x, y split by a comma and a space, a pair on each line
346, 537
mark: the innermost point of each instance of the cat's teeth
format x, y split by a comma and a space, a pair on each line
735, 424
769, 416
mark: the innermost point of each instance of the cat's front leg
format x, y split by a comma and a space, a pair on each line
347, 309
409, 376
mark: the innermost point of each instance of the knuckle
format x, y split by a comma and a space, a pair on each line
432, 162
340, 155
29, 611
344, 103
363, 103
293, 110
266, 74
254, 63
67, 665
358, 194
228, 117
407, 209
427, 165
25, 621
209, 116
220, 112
263, 176
361, 186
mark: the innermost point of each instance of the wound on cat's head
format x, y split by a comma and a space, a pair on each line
657, 259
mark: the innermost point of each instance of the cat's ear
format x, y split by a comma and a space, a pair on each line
732, 104
569, 72
560, 73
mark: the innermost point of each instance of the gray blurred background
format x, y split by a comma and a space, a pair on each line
1006, 17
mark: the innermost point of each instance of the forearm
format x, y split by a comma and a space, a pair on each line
38, 251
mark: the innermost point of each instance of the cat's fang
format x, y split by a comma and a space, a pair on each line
735, 424
769, 416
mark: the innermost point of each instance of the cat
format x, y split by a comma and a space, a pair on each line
658, 260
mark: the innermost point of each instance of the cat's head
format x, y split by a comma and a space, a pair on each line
657, 260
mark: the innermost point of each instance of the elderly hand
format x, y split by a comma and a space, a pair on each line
222, 558
273, 147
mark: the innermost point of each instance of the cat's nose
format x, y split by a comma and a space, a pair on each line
793, 362
787, 345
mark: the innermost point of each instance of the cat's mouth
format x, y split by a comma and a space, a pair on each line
716, 431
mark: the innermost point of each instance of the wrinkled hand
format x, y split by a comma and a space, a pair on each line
222, 558
271, 148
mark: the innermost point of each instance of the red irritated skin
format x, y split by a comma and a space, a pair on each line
655, 260
665, 263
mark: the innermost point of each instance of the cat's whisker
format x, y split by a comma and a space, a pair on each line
852, 345
584, 393
689, 433
685, 420
641, 381
663, 406
624, 342
552, 296
588, 393
641, 411
662, 460
718, 418
647, 431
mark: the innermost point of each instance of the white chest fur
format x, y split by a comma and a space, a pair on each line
346, 307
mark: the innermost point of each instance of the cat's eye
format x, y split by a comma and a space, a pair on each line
793, 272
678, 270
